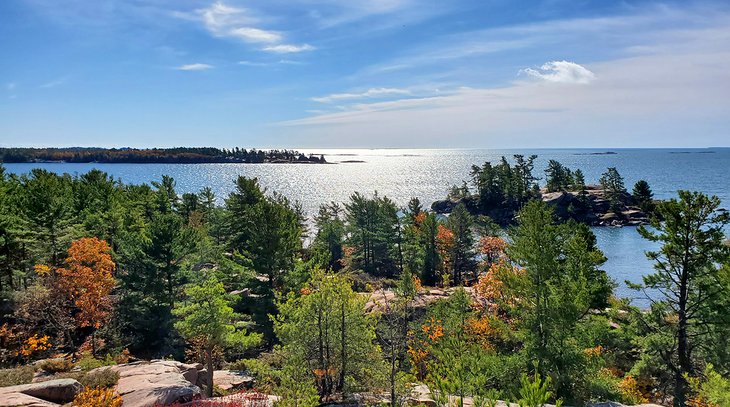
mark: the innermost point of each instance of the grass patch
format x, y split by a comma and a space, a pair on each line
104, 379
16, 376
54, 366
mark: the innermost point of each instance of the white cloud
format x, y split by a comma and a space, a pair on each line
54, 83
194, 67
220, 18
654, 99
253, 63
225, 21
561, 72
288, 48
370, 93
250, 34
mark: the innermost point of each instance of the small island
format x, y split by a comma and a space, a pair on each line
503, 188
176, 155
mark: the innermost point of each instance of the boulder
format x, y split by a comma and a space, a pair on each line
444, 206
24, 400
232, 380
51, 392
609, 217
161, 382
557, 198
421, 395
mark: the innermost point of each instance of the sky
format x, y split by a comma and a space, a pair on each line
364, 73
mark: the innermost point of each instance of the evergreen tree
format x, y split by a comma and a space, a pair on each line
327, 328
643, 196
374, 233
554, 292
264, 229
431, 257
579, 181
393, 332
688, 274
612, 184
207, 317
47, 199
558, 177
460, 223
330, 234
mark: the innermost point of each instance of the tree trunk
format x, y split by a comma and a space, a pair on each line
680, 384
343, 348
209, 367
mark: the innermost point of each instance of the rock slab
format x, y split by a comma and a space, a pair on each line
160, 382
50, 393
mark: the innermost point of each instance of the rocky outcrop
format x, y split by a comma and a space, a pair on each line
589, 207
421, 395
232, 380
378, 301
161, 382
43, 394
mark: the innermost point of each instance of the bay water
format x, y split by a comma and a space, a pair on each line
428, 174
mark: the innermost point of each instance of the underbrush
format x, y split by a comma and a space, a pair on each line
98, 397
88, 362
245, 399
53, 366
16, 376
105, 379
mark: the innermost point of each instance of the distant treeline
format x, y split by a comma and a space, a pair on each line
177, 155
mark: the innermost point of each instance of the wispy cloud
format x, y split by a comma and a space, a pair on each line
11, 86
250, 34
226, 21
671, 90
561, 72
288, 48
194, 67
370, 93
54, 83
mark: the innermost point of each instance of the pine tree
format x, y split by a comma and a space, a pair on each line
327, 328
612, 184
643, 196
460, 223
688, 274
207, 316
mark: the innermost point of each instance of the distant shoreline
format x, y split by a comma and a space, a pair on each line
179, 155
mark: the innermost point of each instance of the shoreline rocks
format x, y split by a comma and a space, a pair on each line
589, 207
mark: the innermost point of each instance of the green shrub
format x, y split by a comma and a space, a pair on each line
56, 365
603, 386
103, 378
714, 390
534, 393
89, 362
240, 365
14, 377
63, 375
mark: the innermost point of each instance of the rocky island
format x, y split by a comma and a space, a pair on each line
502, 189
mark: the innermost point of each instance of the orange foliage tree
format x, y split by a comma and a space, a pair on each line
492, 249
88, 280
445, 242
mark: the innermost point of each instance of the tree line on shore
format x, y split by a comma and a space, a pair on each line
92, 266
176, 155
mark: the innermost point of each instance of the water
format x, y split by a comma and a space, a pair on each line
428, 174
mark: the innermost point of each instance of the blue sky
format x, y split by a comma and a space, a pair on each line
364, 73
